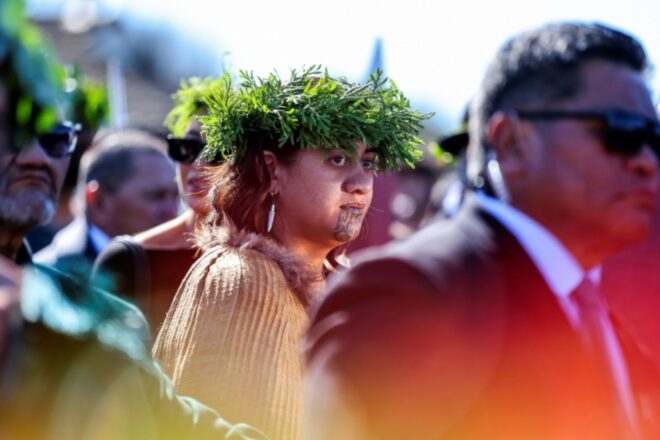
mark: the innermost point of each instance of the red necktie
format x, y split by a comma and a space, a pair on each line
598, 335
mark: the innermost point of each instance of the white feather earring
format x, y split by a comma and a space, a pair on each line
271, 214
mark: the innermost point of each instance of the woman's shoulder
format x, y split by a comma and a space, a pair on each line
228, 242
258, 254
236, 262
229, 281
116, 266
120, 248
172, 234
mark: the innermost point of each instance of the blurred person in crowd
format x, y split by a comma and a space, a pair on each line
491, 324
410, 204
434, 188
73, 363
449, 190
300, 159
88, 104
129, 186
149, 267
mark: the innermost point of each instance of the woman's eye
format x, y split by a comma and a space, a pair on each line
369, 164
338, 160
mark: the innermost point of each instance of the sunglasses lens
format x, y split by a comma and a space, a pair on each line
58, 143
626, 134
184, 150
626, 142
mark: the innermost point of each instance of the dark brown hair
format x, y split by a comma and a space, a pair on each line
239, 187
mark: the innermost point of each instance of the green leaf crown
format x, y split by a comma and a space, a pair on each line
33, 80
313, 110
189, 102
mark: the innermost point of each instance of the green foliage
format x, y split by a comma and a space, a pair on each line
442, 157
312, 110
189, 102
88, 101
32, 78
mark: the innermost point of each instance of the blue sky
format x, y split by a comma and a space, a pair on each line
436, 51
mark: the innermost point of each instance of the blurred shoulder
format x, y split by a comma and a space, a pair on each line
73, 306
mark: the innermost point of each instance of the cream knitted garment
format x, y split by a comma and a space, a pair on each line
232, 337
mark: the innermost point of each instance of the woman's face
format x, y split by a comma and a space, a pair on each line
189, 176
321, 201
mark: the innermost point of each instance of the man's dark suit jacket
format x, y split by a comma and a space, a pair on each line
454, 334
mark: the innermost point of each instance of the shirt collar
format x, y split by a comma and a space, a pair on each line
99, 238
557, 265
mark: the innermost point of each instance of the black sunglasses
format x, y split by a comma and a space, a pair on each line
61, 140
624, 132
184, 150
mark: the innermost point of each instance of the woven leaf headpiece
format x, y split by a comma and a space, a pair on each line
313, 110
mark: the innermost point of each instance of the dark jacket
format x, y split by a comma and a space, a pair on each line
454, 334
147, 277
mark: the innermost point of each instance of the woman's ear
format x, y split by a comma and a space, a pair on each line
274, 170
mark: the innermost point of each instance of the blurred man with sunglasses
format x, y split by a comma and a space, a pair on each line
491, 324
30, 181
73, 363
128, 186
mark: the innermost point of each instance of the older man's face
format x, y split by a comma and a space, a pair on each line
148, 198
30, 180
594, 199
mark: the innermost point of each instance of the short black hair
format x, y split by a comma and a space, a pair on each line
543, 66
111, 160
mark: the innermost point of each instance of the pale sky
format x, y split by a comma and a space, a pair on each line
436, 51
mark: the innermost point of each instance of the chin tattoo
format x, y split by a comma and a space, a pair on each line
348, 224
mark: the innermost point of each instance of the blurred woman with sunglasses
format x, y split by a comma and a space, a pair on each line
297, 182
149, 267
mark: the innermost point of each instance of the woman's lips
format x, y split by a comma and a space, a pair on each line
354, 207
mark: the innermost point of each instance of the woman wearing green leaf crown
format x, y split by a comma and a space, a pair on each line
300, 158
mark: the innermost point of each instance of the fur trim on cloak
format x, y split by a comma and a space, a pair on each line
302, 279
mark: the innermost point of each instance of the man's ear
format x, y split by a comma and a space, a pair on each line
510, 141
94, 197
274, 169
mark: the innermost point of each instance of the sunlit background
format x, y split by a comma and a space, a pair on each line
436, 51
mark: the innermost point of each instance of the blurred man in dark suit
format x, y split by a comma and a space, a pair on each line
490, 325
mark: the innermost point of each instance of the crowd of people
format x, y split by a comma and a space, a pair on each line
524, 308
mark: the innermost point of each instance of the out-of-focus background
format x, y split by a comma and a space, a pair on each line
435, 50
